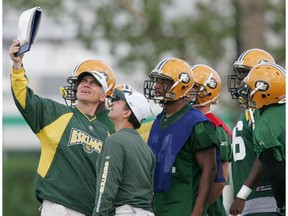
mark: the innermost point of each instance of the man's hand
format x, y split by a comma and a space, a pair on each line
237, 206
17, 60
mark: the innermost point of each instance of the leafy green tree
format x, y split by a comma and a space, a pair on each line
140, 33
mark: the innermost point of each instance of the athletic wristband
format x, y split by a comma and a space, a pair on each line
244, 192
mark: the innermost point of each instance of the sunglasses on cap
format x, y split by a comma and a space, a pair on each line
114, 99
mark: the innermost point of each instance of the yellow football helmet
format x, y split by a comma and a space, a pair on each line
243, 65
69, 92
178, 75
264, 85
125, 88
99, 66
208, 85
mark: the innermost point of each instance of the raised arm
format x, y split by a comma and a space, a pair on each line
17, 60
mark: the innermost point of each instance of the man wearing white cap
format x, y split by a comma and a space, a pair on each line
70, 137
126, 163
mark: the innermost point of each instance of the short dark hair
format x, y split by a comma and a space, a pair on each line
132, 118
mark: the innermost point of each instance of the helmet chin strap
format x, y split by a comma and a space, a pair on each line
282, 101
252, 118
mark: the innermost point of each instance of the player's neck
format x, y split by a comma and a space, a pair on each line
172, 107
204, 109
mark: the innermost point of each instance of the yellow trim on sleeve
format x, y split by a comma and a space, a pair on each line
50, 137
19, 86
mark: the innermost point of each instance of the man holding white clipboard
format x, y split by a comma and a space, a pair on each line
28, 26
71, 139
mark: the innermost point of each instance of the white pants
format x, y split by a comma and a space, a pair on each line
52, 209
127, 210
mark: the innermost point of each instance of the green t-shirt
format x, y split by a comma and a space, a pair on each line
225, 144
70, 145
217, 208
242, 162
125, 173
270, 131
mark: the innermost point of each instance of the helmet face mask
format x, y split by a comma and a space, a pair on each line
158, 88
243, 95
195, 94
207, 86
202, 91
243, 65
92, 65
235, 80
71, 89
170, 80
241, 73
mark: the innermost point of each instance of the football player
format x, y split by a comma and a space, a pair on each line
206, 92
183, 141
264, 89
261, 200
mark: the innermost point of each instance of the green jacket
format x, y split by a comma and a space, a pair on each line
70, 145
125, 173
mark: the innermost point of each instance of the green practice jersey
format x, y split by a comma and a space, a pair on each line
70, 145
217, 208
225, 144
270, 131
261, 199
125, 173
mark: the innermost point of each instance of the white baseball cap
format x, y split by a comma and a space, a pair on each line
137, 103
99, 77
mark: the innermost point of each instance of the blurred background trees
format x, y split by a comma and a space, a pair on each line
137, 35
